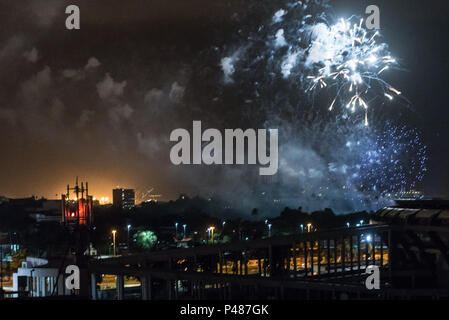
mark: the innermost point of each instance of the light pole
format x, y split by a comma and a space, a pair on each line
128, 227
269, 230
309, 225
302, 228
176, 229
184, 226
212, 230
113, 238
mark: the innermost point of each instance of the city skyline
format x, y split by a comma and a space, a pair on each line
205, 152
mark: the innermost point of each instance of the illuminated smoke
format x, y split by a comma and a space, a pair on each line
295, 68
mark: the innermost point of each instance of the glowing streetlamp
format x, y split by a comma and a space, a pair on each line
309, 226
302, 228
128, 227
113, 239
184, 226
269, 230
212, 233
176, 229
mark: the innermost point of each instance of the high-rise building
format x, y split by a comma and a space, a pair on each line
123, 198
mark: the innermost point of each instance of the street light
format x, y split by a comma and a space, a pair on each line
361, 222
309, 225
113, 238
347, 224
212, 231
184, 226
302, 228
128, 227
269, 230
176, 229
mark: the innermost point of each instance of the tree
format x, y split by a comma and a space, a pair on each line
145, 239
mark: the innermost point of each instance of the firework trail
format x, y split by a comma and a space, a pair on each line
300, 59
300, 43
347, 58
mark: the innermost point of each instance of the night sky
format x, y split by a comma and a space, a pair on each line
100, 102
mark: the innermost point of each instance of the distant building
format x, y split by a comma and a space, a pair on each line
123, 198
8, 247
41, 210
3, 199
50, 211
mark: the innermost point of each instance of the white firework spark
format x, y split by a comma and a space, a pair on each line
347, 57
349, 165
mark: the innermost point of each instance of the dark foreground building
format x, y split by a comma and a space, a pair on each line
407, 243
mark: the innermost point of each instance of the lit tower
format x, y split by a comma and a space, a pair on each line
77, 211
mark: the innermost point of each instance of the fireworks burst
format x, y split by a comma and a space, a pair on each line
329, 158
347, 57
359, 165
389, 160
